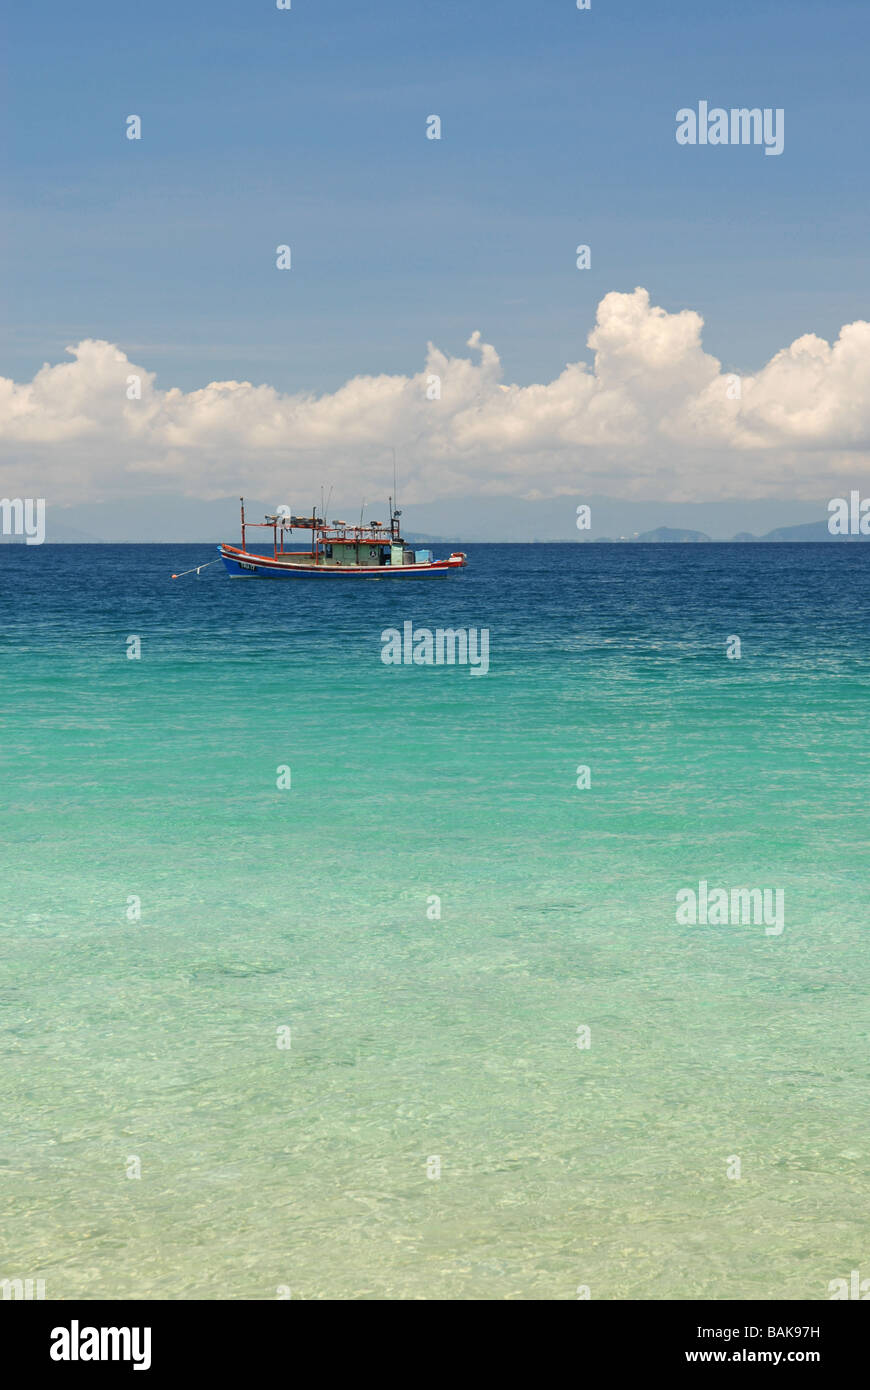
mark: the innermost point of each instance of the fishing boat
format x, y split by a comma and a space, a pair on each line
337, 551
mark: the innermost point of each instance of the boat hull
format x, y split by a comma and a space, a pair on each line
241, 564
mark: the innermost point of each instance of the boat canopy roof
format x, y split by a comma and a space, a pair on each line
338, 531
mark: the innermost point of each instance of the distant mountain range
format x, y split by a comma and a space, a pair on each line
669, 535
814, 531
173, 518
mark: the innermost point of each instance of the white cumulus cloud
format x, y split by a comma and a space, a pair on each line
651, 415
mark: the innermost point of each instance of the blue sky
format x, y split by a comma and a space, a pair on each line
307, 127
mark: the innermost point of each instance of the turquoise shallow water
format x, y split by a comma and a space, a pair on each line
412, 1038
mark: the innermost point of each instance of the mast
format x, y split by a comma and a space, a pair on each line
394, 507
242, 502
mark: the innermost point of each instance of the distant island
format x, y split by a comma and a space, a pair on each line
662, 535
673, 535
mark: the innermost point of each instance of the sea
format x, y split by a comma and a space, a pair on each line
327, 978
